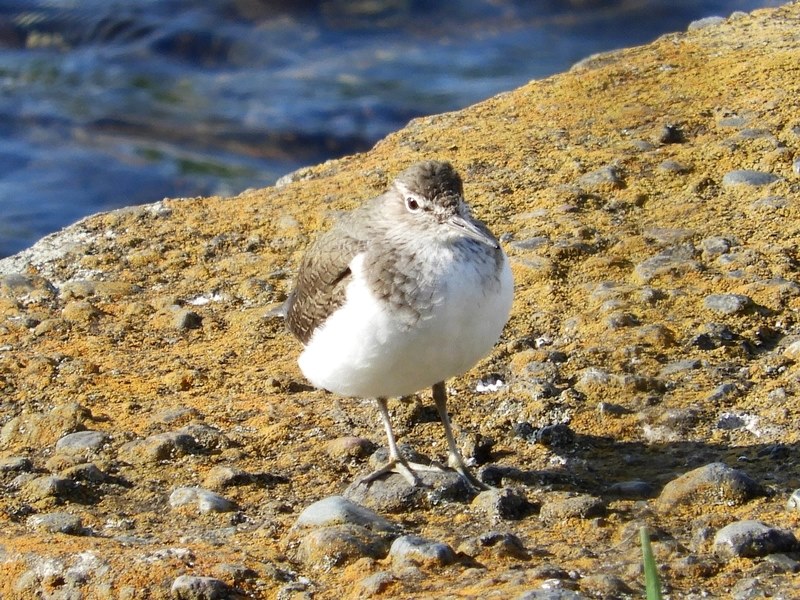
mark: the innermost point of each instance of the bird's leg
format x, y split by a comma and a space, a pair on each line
454, 459
396, 463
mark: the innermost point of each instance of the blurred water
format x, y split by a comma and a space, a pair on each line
106, 104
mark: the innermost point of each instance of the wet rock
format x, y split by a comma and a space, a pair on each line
420, 551
752, 538
712, 484
190, 587
204, 500
56, 522
727, 304
503, 504
557, 507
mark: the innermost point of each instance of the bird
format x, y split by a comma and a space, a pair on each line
401, 294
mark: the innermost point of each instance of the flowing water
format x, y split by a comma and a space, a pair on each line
106, 104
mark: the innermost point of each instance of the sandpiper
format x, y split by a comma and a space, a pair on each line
401, 294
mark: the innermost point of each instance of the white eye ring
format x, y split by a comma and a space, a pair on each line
412, 204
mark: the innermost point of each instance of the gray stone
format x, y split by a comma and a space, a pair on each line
674, 262
769, 203
752, 538
673, 166
417, 550
190, 587
336, 510
608, 176
705, 22
632, 489
748, 177
158, 447
794, 501
338, 545
15, 464
727, 304
48, 486
503, 504
82, 442
552, 594
712, 484
556, 507
205, 500
56, 522
496, 543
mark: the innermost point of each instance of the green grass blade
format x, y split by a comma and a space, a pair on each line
651, 580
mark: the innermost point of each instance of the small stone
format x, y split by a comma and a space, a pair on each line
82, 442
603, 585
190, 587
56, 522
375, 584
748, 177
604, 177
673, 166
673, 262
503, 504
81, 312
751, 539
349, 447
793, 503
496, 543
337, 510
205, 500
338, 545
48, 486
15, 464
792, 351
158, 447
713, 247
552, 594
705, 22
769, 204
710, 485
632, 489
419, 551
186, 319
727, 304
671, 134
223, 476
557, 507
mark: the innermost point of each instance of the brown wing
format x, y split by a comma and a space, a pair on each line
321, 282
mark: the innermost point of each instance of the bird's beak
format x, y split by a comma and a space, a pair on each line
468, 229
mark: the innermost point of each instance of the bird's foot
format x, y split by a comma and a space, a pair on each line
402, 467
473, 482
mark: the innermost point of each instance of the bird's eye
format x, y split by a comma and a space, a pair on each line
412, 204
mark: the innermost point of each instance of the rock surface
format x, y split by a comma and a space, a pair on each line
649, 200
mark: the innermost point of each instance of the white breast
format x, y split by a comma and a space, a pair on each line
363, 351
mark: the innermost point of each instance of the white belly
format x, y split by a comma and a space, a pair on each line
363, 350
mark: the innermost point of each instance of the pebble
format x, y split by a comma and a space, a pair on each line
727, 304
191, 587
603, 585
792, 351
48, 486
557, 507
712, 484
224, 476
676, 261
82, 442
748, 177
349, 447
184, 319
337, 545
673, 166
632, 489
496, 543
793, 503
552, 594
604, 177
420, 551
158, 447
337, 510
393, 494
15, 464
56, 522
705, 22
751, 539
503, 504
206, 501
